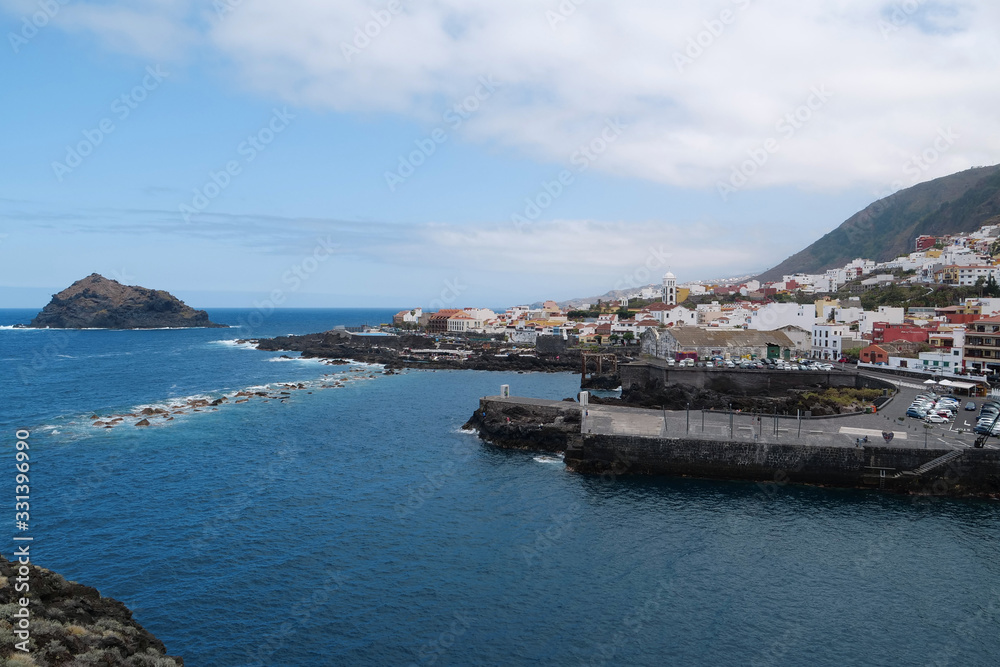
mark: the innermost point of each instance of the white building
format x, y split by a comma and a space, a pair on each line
777, 315
945, 362
887, 314
990, 305
968, 275
830, 340
958, 256
670, 289
408, 316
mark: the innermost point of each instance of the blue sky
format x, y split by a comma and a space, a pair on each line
490, 104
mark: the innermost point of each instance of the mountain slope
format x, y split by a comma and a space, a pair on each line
961, 202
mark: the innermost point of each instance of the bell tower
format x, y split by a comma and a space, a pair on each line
670, 289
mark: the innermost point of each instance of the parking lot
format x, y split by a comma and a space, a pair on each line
838, 431
759, 364
944, 434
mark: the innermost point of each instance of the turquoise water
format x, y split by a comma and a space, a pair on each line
359, 525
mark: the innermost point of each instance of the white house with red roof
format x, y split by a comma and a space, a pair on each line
668, 314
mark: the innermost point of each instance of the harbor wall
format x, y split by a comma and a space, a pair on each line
976, 472
555, 427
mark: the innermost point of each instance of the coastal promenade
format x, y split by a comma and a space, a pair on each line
831, 431
828, 450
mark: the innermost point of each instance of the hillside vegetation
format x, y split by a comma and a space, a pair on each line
961, 202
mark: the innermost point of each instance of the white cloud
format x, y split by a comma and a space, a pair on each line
567, 255
897, 76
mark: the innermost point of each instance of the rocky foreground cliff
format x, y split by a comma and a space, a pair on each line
96, 302
71, 624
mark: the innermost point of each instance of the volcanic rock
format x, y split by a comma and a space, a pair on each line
70, 620
98, 303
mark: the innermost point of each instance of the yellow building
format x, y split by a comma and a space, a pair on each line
823, 303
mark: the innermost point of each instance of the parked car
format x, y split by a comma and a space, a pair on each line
971, 405
935, 419
987, 427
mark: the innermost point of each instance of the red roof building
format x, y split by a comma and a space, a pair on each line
883, 332
438, 322
879, 354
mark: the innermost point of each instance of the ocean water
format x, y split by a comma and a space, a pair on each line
358, 525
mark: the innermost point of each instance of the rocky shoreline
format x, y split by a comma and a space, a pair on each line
416, 351
513, 426
72, 624
280, 392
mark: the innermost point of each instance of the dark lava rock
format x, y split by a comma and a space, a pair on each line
396, 352
98, 303
68, 620
679, 396
514, 426
144, 422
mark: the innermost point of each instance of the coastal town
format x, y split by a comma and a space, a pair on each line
833, 316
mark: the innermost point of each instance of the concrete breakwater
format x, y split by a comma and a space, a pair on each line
555, 426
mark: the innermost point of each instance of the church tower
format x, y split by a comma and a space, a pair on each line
670, 289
